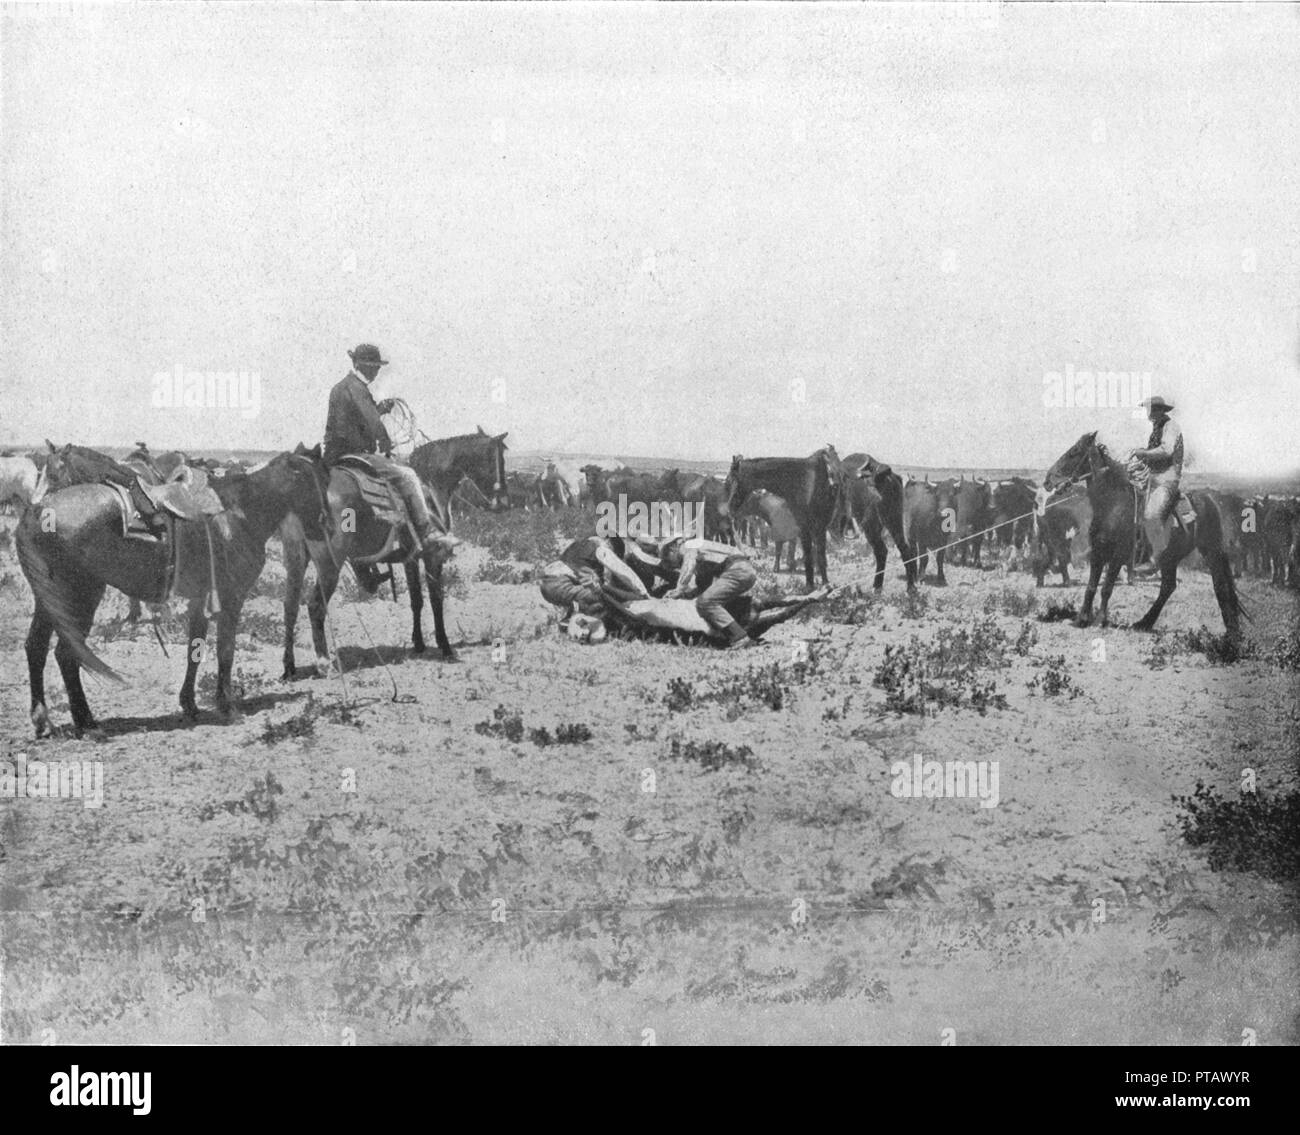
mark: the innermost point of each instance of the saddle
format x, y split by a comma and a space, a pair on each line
374, 487
186, 495
388, 508
149, 514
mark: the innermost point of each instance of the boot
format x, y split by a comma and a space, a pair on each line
439, 544
1158, 537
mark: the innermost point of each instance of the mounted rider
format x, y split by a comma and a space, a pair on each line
354, 427
1158, 469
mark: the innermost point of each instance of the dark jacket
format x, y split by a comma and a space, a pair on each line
353, 425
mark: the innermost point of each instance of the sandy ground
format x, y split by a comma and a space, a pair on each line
408, 873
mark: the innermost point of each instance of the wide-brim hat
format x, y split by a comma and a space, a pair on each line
367, 353
1155, 402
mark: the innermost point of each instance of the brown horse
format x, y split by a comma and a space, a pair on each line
1115, 526
357, 535
71, 546
806, 484
81, 465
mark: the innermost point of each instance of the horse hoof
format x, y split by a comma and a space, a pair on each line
190, 713
41, 720
1082, 622
322, 667
450, 656
290, 673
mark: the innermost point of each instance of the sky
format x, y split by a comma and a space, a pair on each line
683, 231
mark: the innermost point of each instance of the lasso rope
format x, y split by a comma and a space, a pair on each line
1045, 505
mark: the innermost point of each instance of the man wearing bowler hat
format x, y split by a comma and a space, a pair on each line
1160, 468
354, 426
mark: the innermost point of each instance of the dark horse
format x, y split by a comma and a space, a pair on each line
441, 465
807, 484
81, 465
1115, 526
872, 500
71, 547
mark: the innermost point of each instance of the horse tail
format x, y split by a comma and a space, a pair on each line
1210, 543
57, 586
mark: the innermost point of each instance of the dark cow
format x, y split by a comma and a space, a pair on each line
1012, 503
607, 486
710, 493
929, 520
1281, 522
521, 490
974, 504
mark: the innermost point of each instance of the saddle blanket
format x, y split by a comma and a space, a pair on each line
375, 489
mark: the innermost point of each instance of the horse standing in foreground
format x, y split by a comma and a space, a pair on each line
73, 545
361, 536
1115, 526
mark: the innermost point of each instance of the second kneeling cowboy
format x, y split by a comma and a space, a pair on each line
715, 574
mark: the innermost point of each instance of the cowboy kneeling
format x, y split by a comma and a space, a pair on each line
716, 574
573, 582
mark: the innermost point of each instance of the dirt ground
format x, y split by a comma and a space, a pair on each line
716, 857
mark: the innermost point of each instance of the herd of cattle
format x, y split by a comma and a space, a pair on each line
858, 496
947, 519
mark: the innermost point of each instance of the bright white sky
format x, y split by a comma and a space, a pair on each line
644, 223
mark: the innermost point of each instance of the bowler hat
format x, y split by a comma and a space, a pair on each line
368, 353
1157, 403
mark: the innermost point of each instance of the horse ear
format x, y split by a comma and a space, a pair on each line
502, 437
53, 448
481, 430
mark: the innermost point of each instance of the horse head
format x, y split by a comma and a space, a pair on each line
488, 470
736, 488
308, 488
1074, 464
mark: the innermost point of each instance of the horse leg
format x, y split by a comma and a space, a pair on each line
84, 614
38, 650
415, 593
198, 635
809, 557
227, 622
881, 552
1110, 575
433, 576
133, 610
819, 539
1095, 563
327, 579
295, 569
1168, 582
